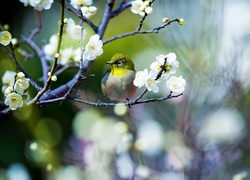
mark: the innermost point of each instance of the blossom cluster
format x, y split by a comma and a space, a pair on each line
164, 67
85, 6
14, 89
141, 7
38, 4
68, 55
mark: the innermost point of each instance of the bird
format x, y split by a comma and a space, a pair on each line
117, 82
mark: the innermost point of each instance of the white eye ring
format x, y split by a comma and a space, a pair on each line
119, 63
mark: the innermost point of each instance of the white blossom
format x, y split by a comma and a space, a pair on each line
88, 11
76, 32
148, 79
93, 48
50, 48
5, 38
224, 126
8, 80
21, 85
67, 55
20, 75
40, 4
25, 2
176, 84
125, 166
13, 100
78, 3
141, 7
170, 66
54, 78
77, 54
8, 90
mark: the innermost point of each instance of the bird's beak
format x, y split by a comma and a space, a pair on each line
109, 62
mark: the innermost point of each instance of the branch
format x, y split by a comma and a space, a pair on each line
19, 67
153, 31
123, 6
38, 25
129, 103
48, 82
41, 56
105, 18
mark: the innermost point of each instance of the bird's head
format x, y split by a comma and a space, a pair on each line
121, 61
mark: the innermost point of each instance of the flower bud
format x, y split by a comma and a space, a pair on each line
165, 20
20, 75
54, 78
180, 21
65, 21
57, 55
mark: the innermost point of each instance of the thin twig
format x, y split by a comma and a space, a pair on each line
123, 6
48, 82
40, 54
152, 31
129, 103
38, 25
19, 67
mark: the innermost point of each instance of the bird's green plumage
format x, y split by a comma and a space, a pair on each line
117, 83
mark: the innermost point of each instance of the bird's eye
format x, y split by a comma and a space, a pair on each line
119, 63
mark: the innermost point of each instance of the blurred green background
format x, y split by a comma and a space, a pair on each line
203, 134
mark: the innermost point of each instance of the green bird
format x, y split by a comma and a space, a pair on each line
117, 83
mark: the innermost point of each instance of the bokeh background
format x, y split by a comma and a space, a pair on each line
203, 134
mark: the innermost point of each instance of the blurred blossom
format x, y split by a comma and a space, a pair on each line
121, 127
240, 176
48, 130
142, 171
50, 48
172, 176
120, 109
78, 3
67, 56
17, 171
150, 136
125, 166
95, 158
77, 54
173, 138
221, 127
66, 173
178, 154
103, 132
38, 151
38, 4
125, 143
179, 157
83, 122
88, 12
91, 156
76, 32
8, 79
90, 125
101, 173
